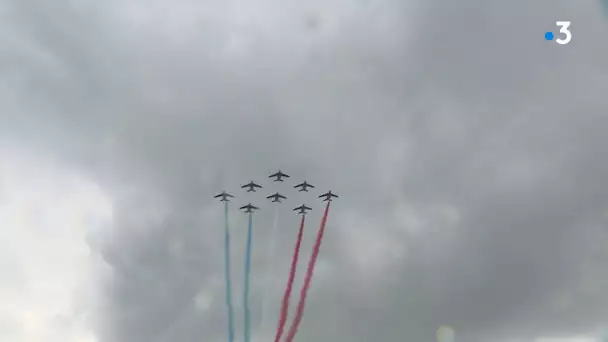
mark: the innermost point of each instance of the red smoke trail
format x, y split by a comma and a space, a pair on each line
311, 266
292, 275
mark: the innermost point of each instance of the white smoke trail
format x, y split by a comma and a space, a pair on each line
267, 282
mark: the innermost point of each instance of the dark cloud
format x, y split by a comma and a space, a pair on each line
469, 154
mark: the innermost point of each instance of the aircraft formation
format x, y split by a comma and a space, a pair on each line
278, 176
250, 208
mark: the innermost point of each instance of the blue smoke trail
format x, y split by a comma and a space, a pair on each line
246, 287
227, 274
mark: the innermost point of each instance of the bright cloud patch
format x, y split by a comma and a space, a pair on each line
569, 339
45, 214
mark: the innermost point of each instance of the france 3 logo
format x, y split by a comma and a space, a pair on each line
564, 30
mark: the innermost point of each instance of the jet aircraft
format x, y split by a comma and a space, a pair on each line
304, 186
279, 176
224, 196
251, 186
249, 208
302, 209
328, 196
276, 197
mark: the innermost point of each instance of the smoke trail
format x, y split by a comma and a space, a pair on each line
270, 257
289, 287
246, 319
227, 274
311, 266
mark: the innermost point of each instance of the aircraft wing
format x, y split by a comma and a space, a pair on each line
256, 185
299, 185
307, 208
216, 196
253, 207
279, 195
274, 175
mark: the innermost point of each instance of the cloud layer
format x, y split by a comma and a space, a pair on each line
469, 155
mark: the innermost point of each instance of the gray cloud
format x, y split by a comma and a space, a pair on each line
468, 153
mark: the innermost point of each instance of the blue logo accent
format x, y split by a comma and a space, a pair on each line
549, 35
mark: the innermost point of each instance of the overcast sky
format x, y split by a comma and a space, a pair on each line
470, 156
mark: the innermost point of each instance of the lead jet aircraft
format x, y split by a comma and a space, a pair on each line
251, 185
224, 195
276, 197
304, 186
279, 176
302, 209
249, 208
328, 195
